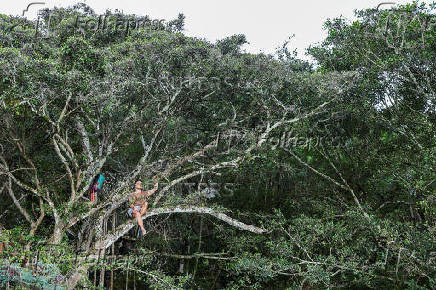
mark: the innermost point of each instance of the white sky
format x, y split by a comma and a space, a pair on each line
266, 24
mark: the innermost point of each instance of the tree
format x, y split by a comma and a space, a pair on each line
151, 103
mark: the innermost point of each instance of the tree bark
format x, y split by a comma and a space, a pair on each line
77, 276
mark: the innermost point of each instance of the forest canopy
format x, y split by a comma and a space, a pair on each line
274, 172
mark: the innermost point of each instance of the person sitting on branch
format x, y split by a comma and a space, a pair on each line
138, 203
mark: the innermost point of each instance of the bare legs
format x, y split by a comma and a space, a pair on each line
144, 208
138, 216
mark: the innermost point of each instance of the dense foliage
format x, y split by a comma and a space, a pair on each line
274, 173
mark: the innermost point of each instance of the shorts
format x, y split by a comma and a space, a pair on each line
130, 210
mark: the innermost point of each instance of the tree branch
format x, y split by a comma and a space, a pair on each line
112, 237
22, 210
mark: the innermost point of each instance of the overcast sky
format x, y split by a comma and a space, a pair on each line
267, 24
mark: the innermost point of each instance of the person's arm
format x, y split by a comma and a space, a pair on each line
151, 191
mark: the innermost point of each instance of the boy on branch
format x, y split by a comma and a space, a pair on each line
138, 203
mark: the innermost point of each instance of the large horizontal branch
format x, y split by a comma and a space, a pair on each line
112, 237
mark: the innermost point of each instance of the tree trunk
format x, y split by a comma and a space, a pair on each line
58, 233
75, 278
